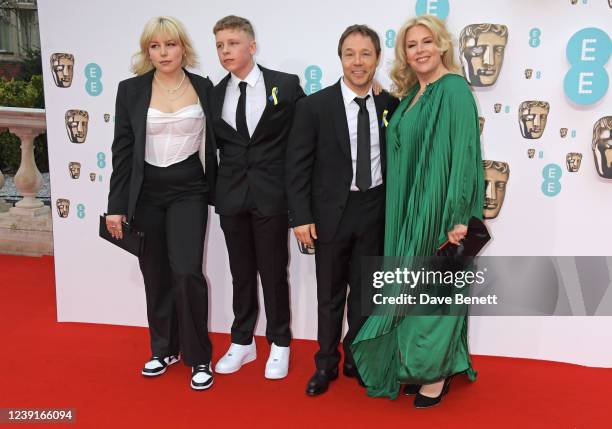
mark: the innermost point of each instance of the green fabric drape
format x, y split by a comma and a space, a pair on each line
434, 181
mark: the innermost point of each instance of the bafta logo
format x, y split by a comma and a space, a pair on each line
530, 153
76, 125
602, 146
528, 73
482, 49
481, 122
63, 207
106, 117
496, 175
497, 107
75, 169
62, 69
532, 117
573, 160
92, 177
563, 132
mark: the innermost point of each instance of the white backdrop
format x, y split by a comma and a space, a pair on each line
99, 283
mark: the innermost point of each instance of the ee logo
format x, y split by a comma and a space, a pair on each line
93, 84
81, 211
552, 175
313, 75
587, 51
534, 37
439, 8
390, 39
101, 157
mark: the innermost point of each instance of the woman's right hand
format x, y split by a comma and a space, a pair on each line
113, 225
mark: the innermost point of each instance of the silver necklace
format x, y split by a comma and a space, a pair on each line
168, 90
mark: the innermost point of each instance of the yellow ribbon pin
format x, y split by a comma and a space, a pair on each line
384, 118
274, 96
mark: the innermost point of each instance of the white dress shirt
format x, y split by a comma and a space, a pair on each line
255, 99
173, 137
352, 110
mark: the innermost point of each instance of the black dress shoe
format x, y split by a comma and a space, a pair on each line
422, 401
319, 382
349, 370
411, 389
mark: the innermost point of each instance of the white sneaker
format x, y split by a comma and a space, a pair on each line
278, 363
201, 377
236, 356
157, 366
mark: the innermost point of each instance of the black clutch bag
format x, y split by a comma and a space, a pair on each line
477, 236
133, 241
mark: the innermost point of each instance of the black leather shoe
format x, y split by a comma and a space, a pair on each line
319, 382
349, 370
422, 401
411, 389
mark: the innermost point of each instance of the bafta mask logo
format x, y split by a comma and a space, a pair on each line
528, 73
563, 132
481, 122
532, 118
530, 153
496, 174
576, 1
482, 49
573, 160
497, 107
610, 3
106, 117
602, 146
75, 169
92, 177
63, 207
62, 69
76, 125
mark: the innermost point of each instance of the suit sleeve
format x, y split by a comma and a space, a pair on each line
299, 92
211, 145
122, 152
300, 161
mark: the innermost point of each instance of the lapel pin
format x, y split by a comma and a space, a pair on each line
384, 118
274, 96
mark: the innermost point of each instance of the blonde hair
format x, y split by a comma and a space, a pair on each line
167, 25
404, 78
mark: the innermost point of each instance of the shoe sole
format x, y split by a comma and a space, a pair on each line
275, 377
163, 370
208, 386
222, 371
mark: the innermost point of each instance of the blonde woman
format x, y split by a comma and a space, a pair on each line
434, 186
163, 178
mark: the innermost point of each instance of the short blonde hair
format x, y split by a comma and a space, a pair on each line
404, 78
167, 25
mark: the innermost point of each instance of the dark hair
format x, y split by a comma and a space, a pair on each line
365, 31
233, 22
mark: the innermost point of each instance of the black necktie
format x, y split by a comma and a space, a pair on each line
241, 123
363, 177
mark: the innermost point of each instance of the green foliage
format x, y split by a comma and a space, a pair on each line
20, 93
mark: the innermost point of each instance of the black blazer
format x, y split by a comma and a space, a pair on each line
319, 165
256, 165
133, 99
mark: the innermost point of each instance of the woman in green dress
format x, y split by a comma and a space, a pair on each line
435, 184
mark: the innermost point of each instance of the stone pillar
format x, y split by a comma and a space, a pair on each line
4, 206
28, 179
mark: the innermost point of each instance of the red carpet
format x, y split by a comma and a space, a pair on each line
95, 370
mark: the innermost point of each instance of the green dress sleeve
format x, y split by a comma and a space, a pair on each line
465, 196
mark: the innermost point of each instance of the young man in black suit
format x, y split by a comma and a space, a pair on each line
335, 171
253, 110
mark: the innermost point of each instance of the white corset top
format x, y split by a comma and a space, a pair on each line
173, 137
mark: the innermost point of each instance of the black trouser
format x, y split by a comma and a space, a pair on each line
172, 211
338, 263
258, 243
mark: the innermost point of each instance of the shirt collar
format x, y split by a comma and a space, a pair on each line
251, 79
349, 95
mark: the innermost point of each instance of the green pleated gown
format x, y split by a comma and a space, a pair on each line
434, 181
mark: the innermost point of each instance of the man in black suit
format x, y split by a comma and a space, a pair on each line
253, 112
335, 171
